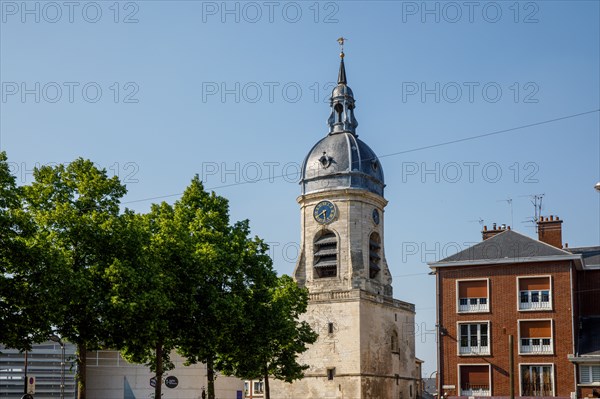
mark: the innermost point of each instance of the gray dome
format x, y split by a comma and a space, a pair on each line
341, 90
340, 161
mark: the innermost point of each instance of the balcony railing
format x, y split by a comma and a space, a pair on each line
535, 305
535, 300
474, 350
538, 346
475, 390
473, 305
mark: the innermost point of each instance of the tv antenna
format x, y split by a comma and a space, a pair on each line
509, 201
479, 220
536, 201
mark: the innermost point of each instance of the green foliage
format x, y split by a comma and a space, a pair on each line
273, 331
23, 309
179, 277
75, 209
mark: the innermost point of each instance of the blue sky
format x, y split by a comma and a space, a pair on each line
157, 91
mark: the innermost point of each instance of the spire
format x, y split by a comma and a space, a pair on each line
342, 101
342, 73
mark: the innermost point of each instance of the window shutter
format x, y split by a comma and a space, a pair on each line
536, 329
585, 374
472, 289
534, 284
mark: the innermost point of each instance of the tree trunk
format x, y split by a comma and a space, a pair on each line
159, 370
210, 376
267, 389
81, 370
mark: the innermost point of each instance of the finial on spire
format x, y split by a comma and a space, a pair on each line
342, 73
341, 41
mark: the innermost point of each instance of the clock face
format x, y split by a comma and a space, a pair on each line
376, 216
325, 212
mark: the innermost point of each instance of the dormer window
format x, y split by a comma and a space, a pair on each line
325, 258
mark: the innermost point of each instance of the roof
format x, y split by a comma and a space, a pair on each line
589, 337
506, 247
341, 160
591, 255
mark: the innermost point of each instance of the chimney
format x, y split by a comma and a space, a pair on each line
550, 230
495, 230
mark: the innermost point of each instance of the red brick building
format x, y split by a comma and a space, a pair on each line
541, 294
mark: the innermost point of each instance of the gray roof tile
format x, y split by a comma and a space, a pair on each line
505, 246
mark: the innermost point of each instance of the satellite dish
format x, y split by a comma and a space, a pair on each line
597, 186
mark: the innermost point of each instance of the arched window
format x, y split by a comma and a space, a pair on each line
374, 255
394, 341
338, 109
325, 248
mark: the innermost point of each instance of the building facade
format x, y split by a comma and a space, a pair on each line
50, 364
109, 376
513, 285
366, 343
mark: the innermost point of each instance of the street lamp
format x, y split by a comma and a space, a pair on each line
56, 338
597, 186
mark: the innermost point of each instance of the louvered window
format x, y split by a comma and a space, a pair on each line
374, 255
325, 263
589, 374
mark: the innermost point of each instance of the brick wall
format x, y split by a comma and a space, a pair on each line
503, 316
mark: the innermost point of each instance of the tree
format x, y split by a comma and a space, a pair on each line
23, 306
76, 212
172, 293
242, 269
274, 332
144, 294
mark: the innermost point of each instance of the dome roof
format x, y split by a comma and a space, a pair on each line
341, 161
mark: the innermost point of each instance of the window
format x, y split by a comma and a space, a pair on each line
535, 337
589, 374
325, 261
394, 341
330, 328
374, 255
537, 380
473, 296
330, 373
474, 339
259, 387
475, 380
534, 293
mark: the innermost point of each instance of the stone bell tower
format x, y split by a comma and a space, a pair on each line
366, 343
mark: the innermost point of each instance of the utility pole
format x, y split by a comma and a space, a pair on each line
511, 366
25, 385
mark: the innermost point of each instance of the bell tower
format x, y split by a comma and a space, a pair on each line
366, 345
342, 207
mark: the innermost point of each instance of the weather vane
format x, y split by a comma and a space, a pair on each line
341, 41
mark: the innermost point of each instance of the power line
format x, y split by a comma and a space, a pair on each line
497, 132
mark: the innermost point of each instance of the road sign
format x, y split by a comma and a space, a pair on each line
171, 381
153, 382
31, 385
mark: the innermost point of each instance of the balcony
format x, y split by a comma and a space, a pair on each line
474, 350
473, 305
475, 390
535, 300
536, 346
